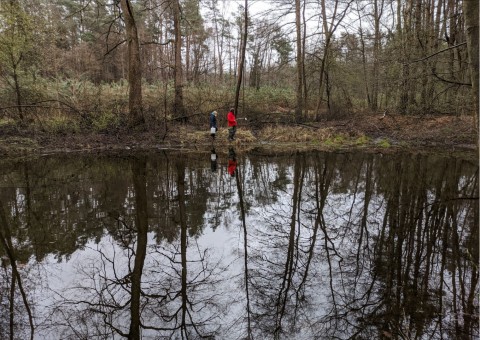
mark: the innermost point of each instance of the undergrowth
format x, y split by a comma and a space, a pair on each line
75, 106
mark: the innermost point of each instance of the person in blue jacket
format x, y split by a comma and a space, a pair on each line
213, 124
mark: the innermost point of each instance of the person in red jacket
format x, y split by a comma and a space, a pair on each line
232, 124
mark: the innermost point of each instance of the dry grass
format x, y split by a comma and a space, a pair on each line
275, 134
294, 134
201, 136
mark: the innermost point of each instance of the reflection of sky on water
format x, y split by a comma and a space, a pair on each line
72, 277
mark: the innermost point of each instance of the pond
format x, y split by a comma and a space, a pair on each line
239, 245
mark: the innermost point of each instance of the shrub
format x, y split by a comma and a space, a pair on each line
60, 124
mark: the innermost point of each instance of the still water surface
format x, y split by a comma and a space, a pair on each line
172, 245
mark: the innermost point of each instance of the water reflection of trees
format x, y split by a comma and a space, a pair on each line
152, 287
429, 216
334, 245
393, 246
16, 302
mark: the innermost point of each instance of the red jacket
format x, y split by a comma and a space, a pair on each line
231, 119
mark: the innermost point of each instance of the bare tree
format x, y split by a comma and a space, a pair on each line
328, 31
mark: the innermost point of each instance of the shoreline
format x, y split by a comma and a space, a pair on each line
366, 133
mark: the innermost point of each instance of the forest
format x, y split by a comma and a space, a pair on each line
70, 66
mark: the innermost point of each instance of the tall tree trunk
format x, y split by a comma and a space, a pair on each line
219, 43
134, 66
470, 11
404, 34
304, 77
17, 92
241, 64
178, 108
378, 10
188, 68
298, 23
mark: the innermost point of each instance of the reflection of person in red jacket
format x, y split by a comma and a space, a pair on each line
232, 162
232, 124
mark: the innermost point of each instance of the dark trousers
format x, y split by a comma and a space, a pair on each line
231, 132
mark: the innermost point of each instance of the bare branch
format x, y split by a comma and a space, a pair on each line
114, 47
434, 54
157, 43
36, 104
449, 81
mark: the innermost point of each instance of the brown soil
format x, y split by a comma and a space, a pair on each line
363, 131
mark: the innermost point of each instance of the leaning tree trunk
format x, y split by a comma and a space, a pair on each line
134, 66
470, 11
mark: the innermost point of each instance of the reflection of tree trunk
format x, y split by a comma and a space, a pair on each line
11, 308
459, 265
141, 221
183, 240
418, 240
366, 204
472, 247
289, 264
321, 193
391, 252
28, 201
6, 242
245, 249
328, 244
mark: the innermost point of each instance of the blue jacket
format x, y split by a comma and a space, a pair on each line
213, 120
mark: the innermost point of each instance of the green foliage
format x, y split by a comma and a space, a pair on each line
283, 47
362, 140
60, 124
268, 99
384, 143
7, 122
16, 51
105, 121
16, 39
335, 141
